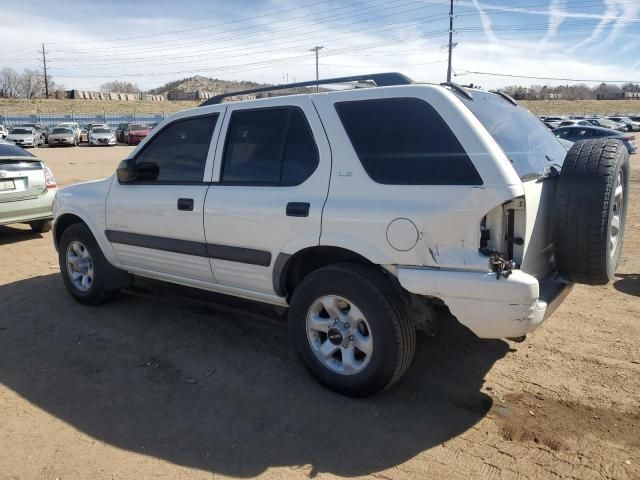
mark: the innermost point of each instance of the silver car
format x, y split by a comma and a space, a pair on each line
73, 126
25, 137
27, 189
101, 135
63, 136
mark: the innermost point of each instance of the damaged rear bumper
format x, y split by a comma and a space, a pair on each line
490, 308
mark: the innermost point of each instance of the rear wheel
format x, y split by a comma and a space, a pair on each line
87, 275
591, 210
351, 330
40, 226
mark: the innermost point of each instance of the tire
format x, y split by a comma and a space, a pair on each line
389, 329
106, 279
588, 202
40, 226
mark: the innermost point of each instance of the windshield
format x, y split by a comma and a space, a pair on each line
21, 131
524, 139
101, 130
57, 131
138, 127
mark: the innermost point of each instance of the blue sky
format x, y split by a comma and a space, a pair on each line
151, 42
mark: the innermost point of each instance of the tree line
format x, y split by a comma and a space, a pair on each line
29, 83
603, 91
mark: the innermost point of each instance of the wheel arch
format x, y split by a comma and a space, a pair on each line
61, 224
290, 269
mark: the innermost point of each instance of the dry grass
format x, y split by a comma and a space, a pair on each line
578, 107
52, 106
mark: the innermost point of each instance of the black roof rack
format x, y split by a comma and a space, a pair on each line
379, 79
458, 89
506, 96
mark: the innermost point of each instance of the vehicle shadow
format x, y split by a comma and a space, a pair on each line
210, 382
629, 283
9, 235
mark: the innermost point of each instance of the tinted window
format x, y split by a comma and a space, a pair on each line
269, 146
524, 139
403, 141
11, 150
180, 149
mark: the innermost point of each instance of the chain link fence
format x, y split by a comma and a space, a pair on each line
52, 120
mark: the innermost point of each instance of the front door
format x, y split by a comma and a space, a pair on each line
155, 225
270, 182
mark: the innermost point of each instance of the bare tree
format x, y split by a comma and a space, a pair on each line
9, 83
120, 86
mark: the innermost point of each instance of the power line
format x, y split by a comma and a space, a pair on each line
493, 74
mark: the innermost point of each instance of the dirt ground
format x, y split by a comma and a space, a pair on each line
167, 382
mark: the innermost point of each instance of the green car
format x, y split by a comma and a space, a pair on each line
27, 188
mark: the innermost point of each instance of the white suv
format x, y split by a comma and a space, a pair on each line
364, 211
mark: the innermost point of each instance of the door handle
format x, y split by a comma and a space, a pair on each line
298, 209
185, 204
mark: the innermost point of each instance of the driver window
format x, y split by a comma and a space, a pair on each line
180, 150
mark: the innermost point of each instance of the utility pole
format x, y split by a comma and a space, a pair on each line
450, 40
317, 49
46, 81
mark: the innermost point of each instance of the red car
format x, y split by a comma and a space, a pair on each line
135, 133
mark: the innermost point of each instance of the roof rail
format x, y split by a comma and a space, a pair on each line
506, 96
458, 89
379, 79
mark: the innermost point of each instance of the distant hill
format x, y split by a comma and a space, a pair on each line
203, 84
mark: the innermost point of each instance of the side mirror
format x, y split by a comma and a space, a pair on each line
129, 172
126, 171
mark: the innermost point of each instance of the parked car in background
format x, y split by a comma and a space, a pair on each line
135, 133
577, 133
27, 189
121, 131
606, 123
569, 123
3, 132
73, 126
101, 135
153, 125
630, 124
42, 130
635, 118
63, 136
551, 125
555, 119
25, 137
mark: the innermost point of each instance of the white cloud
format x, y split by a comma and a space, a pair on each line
486, 22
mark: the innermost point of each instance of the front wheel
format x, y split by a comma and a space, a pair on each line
86, 273
351, 330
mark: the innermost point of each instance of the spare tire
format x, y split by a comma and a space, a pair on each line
591, 210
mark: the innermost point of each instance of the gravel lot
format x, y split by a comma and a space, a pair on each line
167, 382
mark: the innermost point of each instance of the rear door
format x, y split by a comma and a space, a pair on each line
269, 186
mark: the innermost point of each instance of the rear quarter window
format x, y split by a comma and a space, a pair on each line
404, 141
529, 145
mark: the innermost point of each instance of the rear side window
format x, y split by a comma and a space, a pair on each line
180, 149
523, 138
404, 141
270, 146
